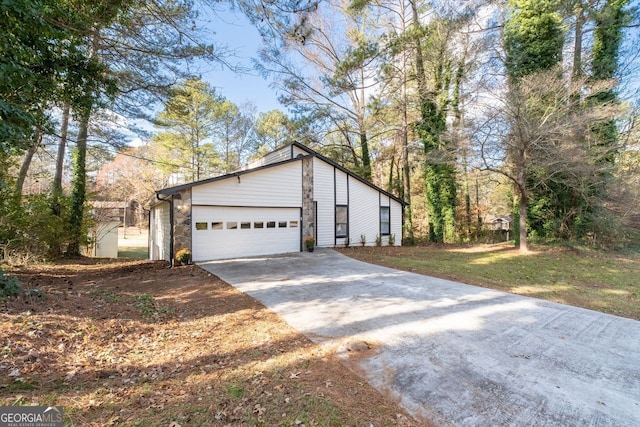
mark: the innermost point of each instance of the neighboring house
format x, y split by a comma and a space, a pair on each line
131, 211
500, 223
270, 206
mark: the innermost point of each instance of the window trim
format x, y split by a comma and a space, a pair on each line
388, 209
346, 234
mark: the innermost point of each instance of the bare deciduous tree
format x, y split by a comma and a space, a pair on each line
538, 133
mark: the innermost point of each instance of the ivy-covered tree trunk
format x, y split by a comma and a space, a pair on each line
78, 193
439, 174
406, 170
604, 65
366, 157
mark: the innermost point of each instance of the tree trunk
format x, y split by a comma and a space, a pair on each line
577, 43
420, 77
364, 143
523, 246
366, 159
406, 168
521, 186
26, 163
78, 194
64, 128
478, 212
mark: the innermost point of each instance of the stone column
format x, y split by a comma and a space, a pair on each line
308, 211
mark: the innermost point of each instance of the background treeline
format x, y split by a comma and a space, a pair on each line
468, 110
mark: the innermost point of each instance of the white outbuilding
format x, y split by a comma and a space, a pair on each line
270, 207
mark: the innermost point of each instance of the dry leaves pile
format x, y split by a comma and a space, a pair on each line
134, 343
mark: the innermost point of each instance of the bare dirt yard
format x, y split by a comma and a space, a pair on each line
133, 343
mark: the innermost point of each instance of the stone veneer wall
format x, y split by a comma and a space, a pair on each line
182, 221
308, 214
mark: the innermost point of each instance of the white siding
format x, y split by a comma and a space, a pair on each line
396, 221
364, 212
279, 186
342, 191
279, 155
297, 151
160, 229
323, 195
212, 243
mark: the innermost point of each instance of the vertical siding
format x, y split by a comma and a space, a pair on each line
341, 188
160, 233
279, 186
396, 221
364, 212
323, 193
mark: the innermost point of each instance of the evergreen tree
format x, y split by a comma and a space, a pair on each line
533, 37
607, 39
189, 121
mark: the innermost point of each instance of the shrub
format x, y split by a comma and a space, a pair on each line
309, 243
378, 240
363, 240
392, 239
9, 285
183, 256
36, 227
346, 242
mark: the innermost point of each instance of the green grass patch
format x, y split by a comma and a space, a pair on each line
149, 307
602, 281
133, 252
19, 386
235, 391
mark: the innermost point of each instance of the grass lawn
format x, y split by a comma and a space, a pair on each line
133, 252
607, 282
133, 243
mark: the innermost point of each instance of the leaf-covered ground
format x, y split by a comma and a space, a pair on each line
134, 343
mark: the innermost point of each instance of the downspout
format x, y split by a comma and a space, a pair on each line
148, 234
170, 200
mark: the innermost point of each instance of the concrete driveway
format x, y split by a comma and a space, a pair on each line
452, 353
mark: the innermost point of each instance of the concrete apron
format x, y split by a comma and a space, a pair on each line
452, 353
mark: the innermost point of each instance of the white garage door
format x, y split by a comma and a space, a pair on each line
231, 232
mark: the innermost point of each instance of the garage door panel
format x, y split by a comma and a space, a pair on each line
213, 238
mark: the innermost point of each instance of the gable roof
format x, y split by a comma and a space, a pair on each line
310, 153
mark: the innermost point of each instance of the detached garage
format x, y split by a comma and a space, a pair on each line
270, 207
